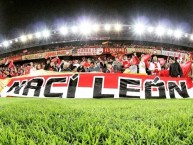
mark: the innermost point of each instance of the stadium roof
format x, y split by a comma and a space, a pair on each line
88, 31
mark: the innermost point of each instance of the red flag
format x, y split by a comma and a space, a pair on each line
56, 59
146, 59
11, 64
135, 60
186, 68
164, 73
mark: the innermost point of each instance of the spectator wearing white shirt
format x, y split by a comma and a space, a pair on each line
142, 67
155, 66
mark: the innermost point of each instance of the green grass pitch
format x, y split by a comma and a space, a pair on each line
95, 121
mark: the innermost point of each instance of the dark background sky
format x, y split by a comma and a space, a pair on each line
22, 16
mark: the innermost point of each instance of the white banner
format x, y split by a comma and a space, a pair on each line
172, 54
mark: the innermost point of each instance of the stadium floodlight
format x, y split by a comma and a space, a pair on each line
38, 34
74, 29
85, 28
118, 27
23, 38
107, 27
63, 30
191, 37
10, 41
16, 40
160, 31
5, 43
150, 29
46, 33
178, 34
139, 28
29, 36
1, 45
186, 35
96, 28
169, 32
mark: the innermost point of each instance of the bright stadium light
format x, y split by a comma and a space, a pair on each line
29, 36
169, 32
139, 29
63, 30
23, 38
191, 37
10, 41
150, 29
96, 28
178, 34
160, 31
74, 29
46, 33
16, 40
186, 35
85, 28
38, 35
107, 27
5, 43
118, 27
1, 45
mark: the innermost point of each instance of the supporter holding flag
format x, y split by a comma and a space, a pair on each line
146, 59
155, 66
134, 60
56, 60
11, 65
53, 64
8, 63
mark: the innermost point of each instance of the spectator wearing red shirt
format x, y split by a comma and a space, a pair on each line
126, 62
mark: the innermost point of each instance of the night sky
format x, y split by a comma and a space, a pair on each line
25, 16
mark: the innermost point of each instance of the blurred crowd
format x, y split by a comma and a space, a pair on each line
108, 44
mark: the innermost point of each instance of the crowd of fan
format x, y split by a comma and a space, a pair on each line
113, 45
133, 64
